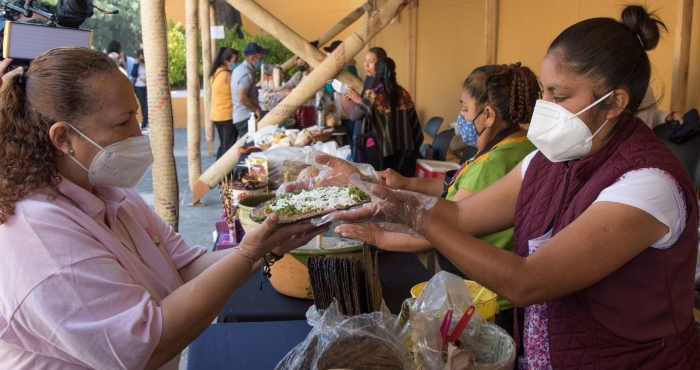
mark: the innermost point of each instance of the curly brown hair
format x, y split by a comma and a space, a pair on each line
56, 87
512, 90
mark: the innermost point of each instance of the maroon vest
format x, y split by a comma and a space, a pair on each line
639, 317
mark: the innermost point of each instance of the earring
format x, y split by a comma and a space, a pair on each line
71, 151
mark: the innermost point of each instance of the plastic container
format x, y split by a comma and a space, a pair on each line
487, 307
305, 116
426, 168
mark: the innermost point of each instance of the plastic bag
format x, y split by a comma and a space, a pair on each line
358, 342
490, 345
335, 173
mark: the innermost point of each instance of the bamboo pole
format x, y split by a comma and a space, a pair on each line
291, 40
681, 55
412, 47
212, 22
491, 31
155, 45
194, 158
332, 32
314, 81
204, 17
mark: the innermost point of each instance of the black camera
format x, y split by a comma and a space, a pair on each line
28, 28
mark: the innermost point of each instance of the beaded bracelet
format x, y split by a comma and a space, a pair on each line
269, 260
250, 258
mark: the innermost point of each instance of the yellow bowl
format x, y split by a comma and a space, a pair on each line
487, 305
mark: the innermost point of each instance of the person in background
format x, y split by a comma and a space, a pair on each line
116, 47
371, 58
236, 58
139, 75
605, 215
303, 70
349, 66
221, 113
495, 99
244, 91
388, 114
91, 276
352, 98
119, 62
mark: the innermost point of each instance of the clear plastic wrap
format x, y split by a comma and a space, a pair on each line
491, 346
333, 171
360, 342
395, 210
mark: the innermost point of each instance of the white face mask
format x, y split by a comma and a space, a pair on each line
559, 134
121, 164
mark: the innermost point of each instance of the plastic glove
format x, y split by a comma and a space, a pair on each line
334, 172
400, 210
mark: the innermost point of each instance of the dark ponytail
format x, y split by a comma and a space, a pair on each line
612, 52
385, 73
222, 56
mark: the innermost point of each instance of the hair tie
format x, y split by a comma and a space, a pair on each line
640, 41
387, 73
22, 79
517, 64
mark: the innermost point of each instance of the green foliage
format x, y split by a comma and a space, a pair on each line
124, 27
176, 54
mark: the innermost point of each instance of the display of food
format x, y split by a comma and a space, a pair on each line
308, 173
309, 203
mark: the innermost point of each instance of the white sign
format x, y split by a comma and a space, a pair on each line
217, 32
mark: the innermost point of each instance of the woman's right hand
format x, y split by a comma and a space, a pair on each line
269, 236
353, 95
393, 179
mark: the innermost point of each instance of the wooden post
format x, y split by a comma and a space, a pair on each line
207, 58
681, 55
412, 47
332, 32
491, 31
194, 135
160, 112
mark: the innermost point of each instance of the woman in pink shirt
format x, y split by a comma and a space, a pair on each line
91, 277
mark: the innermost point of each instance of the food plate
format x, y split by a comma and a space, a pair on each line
302, 205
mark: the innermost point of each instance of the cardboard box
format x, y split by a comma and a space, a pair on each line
224, 239
426, 168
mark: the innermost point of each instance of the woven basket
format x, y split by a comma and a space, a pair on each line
324, 135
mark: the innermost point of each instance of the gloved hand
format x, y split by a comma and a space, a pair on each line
334, 172
398, 210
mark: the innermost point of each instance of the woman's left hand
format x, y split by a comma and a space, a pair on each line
6, 77
368, 233
282, 239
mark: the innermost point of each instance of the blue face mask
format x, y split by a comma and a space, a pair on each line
259, 63
468, 130
233, 66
